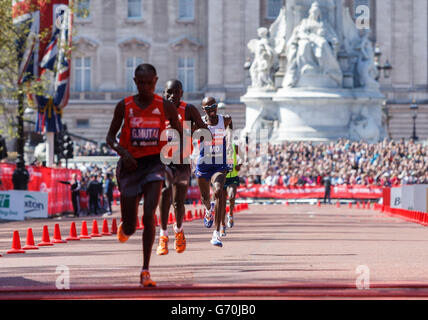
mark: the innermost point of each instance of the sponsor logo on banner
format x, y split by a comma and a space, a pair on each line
18, 205
33, 205
6, 212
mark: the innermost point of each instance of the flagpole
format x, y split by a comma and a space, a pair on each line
50, 137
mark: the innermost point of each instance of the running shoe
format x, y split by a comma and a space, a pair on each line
209, 219
163, 246
215, 240
145, 280
223, 231
121, 236
229, 221
180, 242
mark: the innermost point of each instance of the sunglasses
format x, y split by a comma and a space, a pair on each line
211, 107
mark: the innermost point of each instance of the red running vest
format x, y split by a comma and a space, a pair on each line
141, 130
188, 147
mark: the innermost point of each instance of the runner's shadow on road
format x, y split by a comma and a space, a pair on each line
13, 282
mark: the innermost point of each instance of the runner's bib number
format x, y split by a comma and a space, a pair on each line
145, 131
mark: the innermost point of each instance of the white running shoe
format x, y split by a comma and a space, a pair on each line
215, 240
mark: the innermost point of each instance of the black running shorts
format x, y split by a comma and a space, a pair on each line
131, 183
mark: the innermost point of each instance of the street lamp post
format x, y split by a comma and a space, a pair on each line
20, 176
414, 111
386, 68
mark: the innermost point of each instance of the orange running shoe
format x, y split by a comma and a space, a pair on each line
180, 242
121, 236
163, 246
145, 280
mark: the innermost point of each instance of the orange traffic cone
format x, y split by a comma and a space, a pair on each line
287, 203
46, 241
358, 205
364, 205
57, 235
157, 222
29, 245
105, 231
319, 204
114, 226
139, 227
170, 218
189, 215
350, 205
95, 232
84, 231
368, 205
337, 204
16, 244
73, 233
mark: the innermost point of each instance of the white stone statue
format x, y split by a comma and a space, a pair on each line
312, 53
363, 127
366, 68
264, 58
278, 31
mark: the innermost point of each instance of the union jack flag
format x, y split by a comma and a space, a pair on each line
55, 66
26, 20
47, 57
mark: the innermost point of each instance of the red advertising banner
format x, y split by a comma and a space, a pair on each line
45, 180
313, 192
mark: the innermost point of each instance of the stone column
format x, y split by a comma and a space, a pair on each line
108, 51
215, 85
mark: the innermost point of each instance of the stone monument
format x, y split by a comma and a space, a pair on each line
313, 77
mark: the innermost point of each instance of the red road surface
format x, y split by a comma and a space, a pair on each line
272, 252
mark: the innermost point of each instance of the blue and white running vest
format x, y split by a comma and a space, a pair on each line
216, 150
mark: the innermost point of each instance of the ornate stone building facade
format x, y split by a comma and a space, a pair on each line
204, 44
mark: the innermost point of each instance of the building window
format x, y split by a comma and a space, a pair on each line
135, 9
273, 8
82, 123
186, 9
83, 10
82, 74
186, 73
131, 64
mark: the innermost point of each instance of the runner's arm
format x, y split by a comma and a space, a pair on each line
116, 123
196, 118
171, 114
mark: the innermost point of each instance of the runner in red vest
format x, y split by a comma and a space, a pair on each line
140, 171
177, 174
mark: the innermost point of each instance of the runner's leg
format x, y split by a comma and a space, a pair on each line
204, 188
223, 204
231, 190
218, 180
129, 211
165, 203
179, 196
152, 192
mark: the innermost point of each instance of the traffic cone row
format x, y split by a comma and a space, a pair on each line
57, 238
84, 234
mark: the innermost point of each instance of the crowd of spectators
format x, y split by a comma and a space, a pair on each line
387, 163
92, 149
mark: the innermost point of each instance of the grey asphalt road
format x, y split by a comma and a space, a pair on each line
271, 247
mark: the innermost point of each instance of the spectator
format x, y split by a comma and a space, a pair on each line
93, 191
108, 191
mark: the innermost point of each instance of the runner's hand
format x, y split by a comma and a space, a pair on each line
129, 162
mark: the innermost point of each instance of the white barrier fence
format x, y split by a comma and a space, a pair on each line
18, 205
